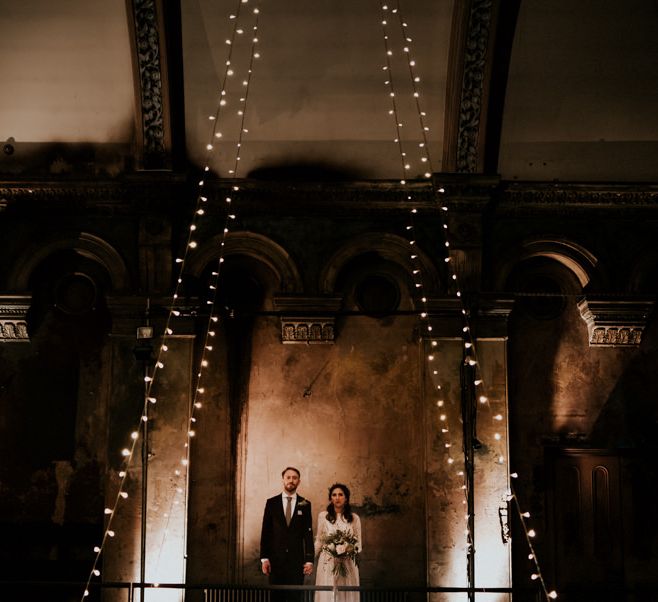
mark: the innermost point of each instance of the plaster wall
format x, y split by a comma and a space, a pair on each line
166, 485
447, 510
362, 425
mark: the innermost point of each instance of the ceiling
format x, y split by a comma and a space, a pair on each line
528, 89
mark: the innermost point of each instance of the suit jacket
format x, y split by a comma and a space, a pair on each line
287, 547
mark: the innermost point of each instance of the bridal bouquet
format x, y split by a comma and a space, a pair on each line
342, 546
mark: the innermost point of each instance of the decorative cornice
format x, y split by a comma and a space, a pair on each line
308, 320
470, 108
615, 323
463, 193
86, 195
532, 197
13, 314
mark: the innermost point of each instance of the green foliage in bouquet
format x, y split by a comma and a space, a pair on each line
342, 546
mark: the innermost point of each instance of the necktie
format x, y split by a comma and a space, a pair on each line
288, 510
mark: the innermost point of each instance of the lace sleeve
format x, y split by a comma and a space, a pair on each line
357, 532
320, 532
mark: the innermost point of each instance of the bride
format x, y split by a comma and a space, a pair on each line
338, 542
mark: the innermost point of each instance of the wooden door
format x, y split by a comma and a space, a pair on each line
586, 524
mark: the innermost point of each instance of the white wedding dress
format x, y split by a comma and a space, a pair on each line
325, 564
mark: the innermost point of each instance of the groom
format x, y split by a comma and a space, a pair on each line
286, 540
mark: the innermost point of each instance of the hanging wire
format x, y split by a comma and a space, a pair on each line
174, 312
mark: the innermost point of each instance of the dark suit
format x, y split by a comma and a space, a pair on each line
287, 547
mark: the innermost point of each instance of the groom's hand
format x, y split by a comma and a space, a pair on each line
265, 567
308, 568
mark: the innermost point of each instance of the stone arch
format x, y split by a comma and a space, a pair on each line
252, 245
583, 264
391, 247
89, 246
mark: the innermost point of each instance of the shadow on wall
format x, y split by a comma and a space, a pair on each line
305, 172
629, 418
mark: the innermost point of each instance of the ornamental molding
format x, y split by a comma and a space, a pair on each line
528, 197
615, 323
475, 63
84, 195
308, 320
13, 319
149, 65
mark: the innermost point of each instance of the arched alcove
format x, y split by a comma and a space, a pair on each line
382, 249
84, 244
583, 264
252, 245
253, 269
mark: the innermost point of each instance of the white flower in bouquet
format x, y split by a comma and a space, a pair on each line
342, 546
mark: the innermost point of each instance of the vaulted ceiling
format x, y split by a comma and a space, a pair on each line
528, 89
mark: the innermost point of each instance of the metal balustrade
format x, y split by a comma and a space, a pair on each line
61, 591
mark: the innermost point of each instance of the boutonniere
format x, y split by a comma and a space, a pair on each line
301, 503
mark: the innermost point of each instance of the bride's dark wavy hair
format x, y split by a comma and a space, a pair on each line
347, 510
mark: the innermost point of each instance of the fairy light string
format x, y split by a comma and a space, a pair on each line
529, 535
415, 80
191, 244
470, 353
417, 270
174, 311
212, 323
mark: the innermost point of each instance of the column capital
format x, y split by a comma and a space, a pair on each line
615, 322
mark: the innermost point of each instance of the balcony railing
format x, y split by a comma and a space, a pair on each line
59, 591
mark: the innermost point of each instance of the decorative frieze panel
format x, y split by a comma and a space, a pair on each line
13, 323
308, 320
296, 330
615, 323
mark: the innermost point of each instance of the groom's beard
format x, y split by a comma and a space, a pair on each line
290, 488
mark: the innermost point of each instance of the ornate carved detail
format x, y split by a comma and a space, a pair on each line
13, 325
312, 321
106, 197
147, 42
475, 52
12, 331
299, 330
614, 323
524, 197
